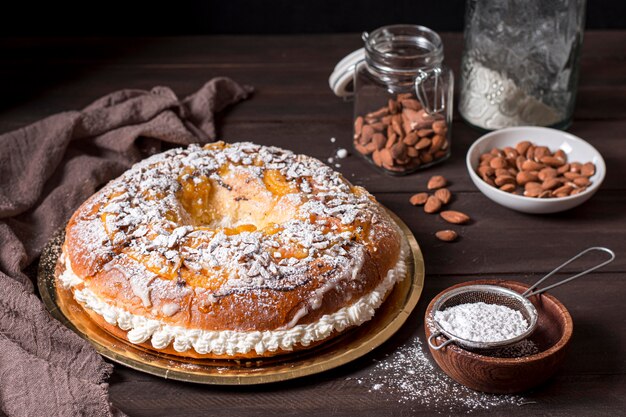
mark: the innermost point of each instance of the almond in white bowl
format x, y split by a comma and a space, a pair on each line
543, 150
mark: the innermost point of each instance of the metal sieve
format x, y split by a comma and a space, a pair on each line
493, 294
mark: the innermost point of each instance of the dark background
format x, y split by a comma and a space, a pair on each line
23, 18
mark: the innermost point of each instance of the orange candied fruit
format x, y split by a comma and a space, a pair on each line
229, 231
293, 252
276, 183
215, 146
195, 196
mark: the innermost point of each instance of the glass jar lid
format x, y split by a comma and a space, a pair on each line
402, 48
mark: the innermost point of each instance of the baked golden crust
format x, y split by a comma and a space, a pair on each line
183, 283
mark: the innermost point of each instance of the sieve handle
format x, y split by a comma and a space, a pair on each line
531, 291
431, 341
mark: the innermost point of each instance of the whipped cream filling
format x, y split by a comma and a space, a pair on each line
227, 342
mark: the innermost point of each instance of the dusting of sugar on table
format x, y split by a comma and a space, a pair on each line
339, 153
410, 376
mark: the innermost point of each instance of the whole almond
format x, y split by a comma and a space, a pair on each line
509, 188
522, 147
504, 179
398, 151
438, 143
366, 134
358, 126
519, 162
547, 173
385, 157
410, 139
454, 217
530, 165
582, 181
572, 175
433, 205
436, 181
560, 154
396, 125
576, 167
423, 143
391, 140
532, 189
551, 161
446, 235
588, 169
440, 127
393, 106
563, 168
376, 158
383, 111
424, 132
486, 170
497, 162
412, 152
511, 152
502, 171
379, 141
418, 199
444, 195
370, 147
540, 152
563, 191
550, 183
525, 176
488, 180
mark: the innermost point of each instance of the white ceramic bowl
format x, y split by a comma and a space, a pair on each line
577, 150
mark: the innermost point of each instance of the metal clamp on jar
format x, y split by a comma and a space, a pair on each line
402, 98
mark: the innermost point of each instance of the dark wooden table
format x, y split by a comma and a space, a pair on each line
294, 108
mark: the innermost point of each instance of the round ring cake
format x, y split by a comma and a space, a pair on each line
230, 251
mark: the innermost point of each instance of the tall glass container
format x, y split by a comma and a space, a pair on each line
520, 63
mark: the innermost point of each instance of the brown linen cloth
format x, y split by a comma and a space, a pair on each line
47, 170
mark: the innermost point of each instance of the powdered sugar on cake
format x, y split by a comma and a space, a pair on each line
140, 222
139, 203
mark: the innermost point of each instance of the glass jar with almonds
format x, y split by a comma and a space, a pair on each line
402, 99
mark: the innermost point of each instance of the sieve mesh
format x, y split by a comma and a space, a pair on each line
488, 294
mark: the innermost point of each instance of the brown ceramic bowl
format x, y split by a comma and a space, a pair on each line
508, 375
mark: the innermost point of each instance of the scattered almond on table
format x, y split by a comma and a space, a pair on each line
454, 217
433, 205
418, 199
434, 202
534, 171
436, 182
446, 235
